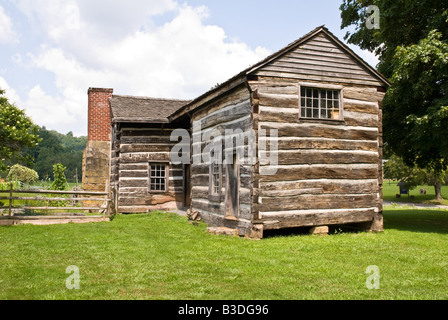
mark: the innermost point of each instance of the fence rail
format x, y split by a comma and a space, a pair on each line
77, 196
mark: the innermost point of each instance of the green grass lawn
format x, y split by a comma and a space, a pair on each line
161, 256
390, 189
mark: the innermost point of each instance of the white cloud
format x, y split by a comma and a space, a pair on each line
181, 59
10, 93
7, 35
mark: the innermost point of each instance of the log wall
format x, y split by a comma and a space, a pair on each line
328, 172
231, 112
134, 147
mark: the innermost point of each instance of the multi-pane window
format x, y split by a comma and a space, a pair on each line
215, 168
320, 103
157, 177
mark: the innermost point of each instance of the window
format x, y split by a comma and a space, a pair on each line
157, 177
215, 176
320, 103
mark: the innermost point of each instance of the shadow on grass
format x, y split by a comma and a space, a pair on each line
428, 221
431, 221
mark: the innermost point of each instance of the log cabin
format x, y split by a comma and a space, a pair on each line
293, 141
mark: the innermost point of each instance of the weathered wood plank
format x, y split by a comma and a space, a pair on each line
360, 106
337, 186
161, 140
144, 157
323, 201
360, 93
289, 74
279, 100
288, 173
289, 143
321, 130
325, 157
129, 148
316, 218
360, 119
229, 113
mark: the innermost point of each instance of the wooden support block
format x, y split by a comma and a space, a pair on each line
256, 232
321, 230
223, 230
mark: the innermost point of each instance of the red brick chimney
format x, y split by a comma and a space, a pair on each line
96, 156
99, 122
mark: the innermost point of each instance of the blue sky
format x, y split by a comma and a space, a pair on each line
53, 51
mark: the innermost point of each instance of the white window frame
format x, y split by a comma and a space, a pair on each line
321, 87
165, 177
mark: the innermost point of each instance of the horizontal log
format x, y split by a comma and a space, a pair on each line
273, 114
234, 97
281, 89
321, 130
279, 100
324, 186
144, 157
287, 143
316, 218
361, 93
134, 166
229, 113
326, 201
360, 106
318, 172
146, 140
129, 148
219, 208
325, 157
139, 132
360, 119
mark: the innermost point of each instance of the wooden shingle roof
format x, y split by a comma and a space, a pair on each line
143, 109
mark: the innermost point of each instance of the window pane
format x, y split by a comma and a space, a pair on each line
308, 112
308, 92
158, 177
323, 94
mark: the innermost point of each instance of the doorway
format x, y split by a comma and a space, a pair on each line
232, 197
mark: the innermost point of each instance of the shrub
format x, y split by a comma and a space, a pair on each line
60, 181
22, 174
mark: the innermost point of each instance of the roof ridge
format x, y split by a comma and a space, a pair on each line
150, 98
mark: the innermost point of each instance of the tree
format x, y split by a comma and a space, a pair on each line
17, 131
416, 105
58, 148
402, 23
411, 45
396, 169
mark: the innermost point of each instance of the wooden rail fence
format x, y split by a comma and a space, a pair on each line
104, 210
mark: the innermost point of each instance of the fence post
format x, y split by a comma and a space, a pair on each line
10, 200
